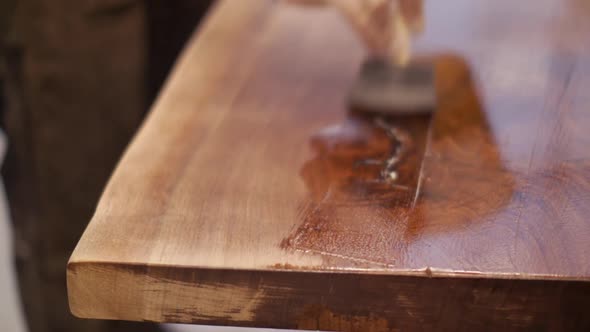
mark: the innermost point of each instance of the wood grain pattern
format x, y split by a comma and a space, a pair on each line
253, 196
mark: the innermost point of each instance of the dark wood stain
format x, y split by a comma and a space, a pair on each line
353, 302
349, 181
460, 178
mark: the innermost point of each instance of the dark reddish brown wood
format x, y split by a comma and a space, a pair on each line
354, 302
349, 179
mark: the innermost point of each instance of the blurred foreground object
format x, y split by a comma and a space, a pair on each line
384, 26
388, 82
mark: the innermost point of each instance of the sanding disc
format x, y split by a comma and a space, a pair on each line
383, 87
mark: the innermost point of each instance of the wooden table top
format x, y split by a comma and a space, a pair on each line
252, 195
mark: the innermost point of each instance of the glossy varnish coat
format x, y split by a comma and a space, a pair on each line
253, 196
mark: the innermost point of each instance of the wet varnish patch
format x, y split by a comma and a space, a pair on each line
362, 182
377, 185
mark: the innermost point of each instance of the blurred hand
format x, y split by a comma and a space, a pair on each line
383, 25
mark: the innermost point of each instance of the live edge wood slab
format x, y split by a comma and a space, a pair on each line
253, 196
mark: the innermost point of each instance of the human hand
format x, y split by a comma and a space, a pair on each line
384, 26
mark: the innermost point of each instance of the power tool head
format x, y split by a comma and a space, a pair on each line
385, 88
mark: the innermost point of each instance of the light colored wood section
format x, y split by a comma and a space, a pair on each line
229, 131
252, 196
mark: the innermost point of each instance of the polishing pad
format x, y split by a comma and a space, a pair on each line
383, 87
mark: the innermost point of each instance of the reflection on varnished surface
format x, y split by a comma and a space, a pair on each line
362, 183
449, 177
252, 196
